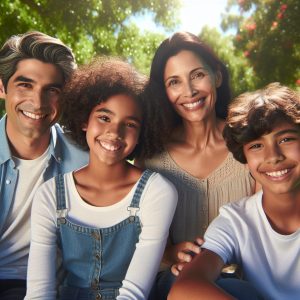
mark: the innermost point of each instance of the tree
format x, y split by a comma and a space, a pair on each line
268, 35
240, 71
92, 27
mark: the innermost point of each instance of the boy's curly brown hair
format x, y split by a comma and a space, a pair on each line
254, 114
93, 84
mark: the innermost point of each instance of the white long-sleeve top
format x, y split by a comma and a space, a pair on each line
157, 207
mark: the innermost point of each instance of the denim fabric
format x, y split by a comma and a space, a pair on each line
63, 157
239, 289
96, 259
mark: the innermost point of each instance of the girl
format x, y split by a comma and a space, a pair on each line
111, 219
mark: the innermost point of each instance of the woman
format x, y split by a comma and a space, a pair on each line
188, 94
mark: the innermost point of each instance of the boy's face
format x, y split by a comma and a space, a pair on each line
274, 159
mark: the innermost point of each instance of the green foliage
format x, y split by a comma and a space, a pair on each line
92, 27
268, 36
241, 73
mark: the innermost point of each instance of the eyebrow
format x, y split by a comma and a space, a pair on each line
176, 76
288, 131
29, 80
112, 113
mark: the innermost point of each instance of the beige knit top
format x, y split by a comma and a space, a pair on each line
199, 200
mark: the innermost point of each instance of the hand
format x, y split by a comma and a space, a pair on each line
185, 253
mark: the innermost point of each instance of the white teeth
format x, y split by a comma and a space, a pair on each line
109, 146
277, 173
32, 115
192, 105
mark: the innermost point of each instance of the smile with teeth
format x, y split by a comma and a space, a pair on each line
109, 146
32, 115
277, 173
193, 104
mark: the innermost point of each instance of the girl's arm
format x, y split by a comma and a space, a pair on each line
196, 281
157, 208
41, 273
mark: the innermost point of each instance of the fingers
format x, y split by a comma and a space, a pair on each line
177, 268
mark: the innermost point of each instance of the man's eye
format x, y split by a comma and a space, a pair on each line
24, 85
54, 91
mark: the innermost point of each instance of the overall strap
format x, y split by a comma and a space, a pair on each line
61, 210
134, 205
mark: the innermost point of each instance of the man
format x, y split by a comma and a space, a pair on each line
33, 69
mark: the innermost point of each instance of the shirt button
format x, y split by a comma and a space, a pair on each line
59, 158
7, 181
97, 255
98, 296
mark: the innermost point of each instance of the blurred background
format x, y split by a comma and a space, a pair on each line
259, 40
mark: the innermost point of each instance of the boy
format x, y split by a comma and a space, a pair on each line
260, 233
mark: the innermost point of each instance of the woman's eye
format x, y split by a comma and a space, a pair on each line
198, 75
173, 82
132, 125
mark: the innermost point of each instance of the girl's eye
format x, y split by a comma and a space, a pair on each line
132, 125
104, 118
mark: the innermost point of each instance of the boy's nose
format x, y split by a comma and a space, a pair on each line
274, 154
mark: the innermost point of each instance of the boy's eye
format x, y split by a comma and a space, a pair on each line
255, 146
286, 140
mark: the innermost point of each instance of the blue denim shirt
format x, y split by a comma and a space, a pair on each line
63, 157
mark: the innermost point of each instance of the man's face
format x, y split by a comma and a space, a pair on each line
31, 99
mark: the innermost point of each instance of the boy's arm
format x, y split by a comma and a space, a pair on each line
197, 279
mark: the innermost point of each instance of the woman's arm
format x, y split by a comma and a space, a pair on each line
196, 281
156, 214
41, 273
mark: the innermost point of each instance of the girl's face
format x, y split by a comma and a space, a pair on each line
113, 129
191, 86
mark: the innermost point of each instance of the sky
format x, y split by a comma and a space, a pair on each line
194, 14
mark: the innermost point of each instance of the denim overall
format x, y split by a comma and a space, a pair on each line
96, 259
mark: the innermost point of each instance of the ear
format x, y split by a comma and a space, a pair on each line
2, 90
219, 79
84, 127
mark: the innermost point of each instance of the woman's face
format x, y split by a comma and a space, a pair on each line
191, 86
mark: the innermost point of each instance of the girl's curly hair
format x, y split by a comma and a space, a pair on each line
254, 114
93, 84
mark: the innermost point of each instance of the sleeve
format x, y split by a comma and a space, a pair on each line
157, 210
221, 235
41, 273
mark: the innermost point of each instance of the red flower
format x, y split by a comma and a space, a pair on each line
246, 53
298, 81
283, 7
280, 15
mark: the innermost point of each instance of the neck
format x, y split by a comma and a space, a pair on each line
202, 134
28, 148
283, 211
